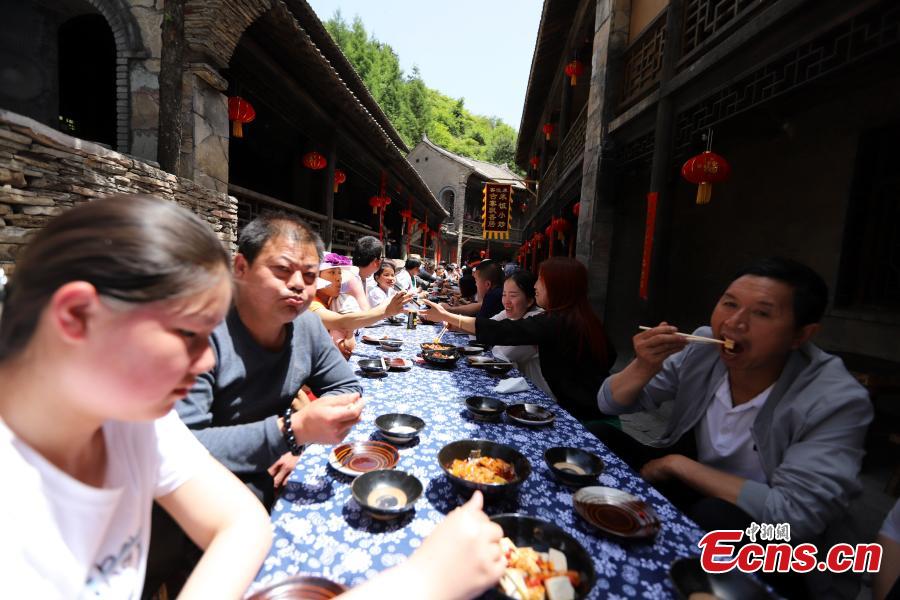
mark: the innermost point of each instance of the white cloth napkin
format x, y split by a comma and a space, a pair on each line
511, 385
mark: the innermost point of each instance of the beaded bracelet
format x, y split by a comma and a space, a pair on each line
289, 437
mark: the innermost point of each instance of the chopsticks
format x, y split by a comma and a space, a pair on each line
437, 340
698, 338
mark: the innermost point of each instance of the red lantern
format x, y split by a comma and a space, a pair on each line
576, 210
524, 206
561, 227
549, 231
239, 112
378, 203
706, 169
535, 162
538, 239
314, 161
573, 70
339, 178
548, 131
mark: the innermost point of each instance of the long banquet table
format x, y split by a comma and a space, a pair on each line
319, 528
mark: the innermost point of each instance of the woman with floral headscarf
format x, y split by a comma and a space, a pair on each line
339, 312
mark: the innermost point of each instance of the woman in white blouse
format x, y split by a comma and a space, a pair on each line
519, 303
384, 285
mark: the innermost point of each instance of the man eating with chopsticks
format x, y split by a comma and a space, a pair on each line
765, 427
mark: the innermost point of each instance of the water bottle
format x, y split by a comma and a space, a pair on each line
411, 320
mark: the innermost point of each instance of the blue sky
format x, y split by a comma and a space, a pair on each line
479, 50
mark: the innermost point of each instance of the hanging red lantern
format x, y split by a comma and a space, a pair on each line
706, 169
538, 239
535, 162
379, 203
561, 227
239, 112
524, 206
576, 210
314, 161
339, 178
548, 231
573, 70
548, 131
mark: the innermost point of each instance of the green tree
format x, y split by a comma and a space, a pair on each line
412, 107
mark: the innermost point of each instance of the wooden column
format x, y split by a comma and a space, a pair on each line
661, 171
595, 220
328, 229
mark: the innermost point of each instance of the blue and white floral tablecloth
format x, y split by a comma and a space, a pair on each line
319, 528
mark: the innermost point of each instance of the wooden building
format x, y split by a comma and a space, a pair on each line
802, 98
458, 182
90, 69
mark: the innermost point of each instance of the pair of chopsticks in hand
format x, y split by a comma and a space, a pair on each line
729, 344
437, 340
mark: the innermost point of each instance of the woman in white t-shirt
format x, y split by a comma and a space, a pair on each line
104, 328
384, 285
519, 303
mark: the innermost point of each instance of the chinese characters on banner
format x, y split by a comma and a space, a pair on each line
496, 209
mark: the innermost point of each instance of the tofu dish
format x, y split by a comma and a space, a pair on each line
533, 575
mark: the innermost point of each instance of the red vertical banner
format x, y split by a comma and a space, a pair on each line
652, 198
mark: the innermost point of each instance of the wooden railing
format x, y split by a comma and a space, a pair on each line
252, 204
571, 149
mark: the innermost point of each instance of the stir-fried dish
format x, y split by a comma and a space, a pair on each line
532, 575
483, 470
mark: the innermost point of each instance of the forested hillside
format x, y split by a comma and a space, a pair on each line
413, 107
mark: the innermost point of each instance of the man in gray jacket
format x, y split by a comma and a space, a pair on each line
768, 428
266, 349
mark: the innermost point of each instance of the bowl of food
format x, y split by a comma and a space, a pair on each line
302, 587
484, 407
390, 344
543, 561
399, 427
573, 466
441, 358
497, 368
373, 366
484, 465
386, 494
432, 346
529, 414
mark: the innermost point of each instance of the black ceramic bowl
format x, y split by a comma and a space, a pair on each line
302, 587
398, 427
390, 344
690, 578
572, 466
372, 366
463, 449
386, 494
441, 358
485, 407
541, 535
498, 368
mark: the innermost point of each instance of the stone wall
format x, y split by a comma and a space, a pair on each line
43, 172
